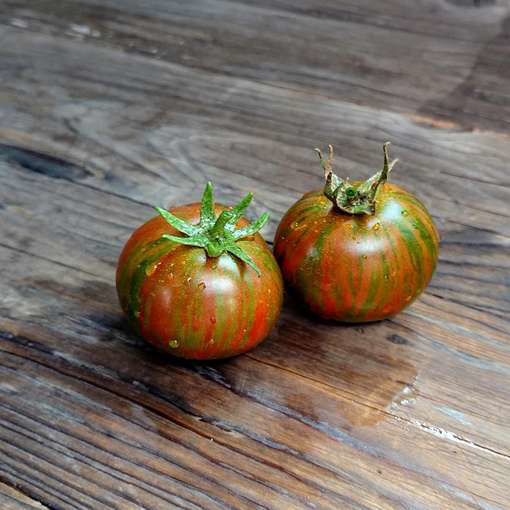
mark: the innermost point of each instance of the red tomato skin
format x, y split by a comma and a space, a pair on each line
193, 306
358, 268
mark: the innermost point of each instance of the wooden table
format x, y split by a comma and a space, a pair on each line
108, 107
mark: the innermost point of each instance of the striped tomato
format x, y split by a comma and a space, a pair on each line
199, 281
358, 251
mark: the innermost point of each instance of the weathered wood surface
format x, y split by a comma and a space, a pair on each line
107, 107
12, 499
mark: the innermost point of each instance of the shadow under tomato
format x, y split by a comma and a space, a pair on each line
317, 370
366, 366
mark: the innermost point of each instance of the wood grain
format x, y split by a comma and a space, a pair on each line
108, 108
12, 499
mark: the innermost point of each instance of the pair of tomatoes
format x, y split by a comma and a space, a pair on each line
200, 282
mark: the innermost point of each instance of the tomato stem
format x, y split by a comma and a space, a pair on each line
354, 198
216, 235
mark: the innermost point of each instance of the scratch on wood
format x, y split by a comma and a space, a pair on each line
451, 436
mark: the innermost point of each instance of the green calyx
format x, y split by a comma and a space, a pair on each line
216, 235
358, 198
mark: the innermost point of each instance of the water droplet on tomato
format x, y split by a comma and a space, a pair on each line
295, 224
150, 269
201, 285
386, 276
365, 257
377, 226
211, 341
173, 344
404, 213
188, 280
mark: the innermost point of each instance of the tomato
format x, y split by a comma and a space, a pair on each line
359, 251
200, 282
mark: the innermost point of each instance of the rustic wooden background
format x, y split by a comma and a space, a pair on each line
110, 106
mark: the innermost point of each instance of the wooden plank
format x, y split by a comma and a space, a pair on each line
435, 61
398, 379
12, 499
199, 125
